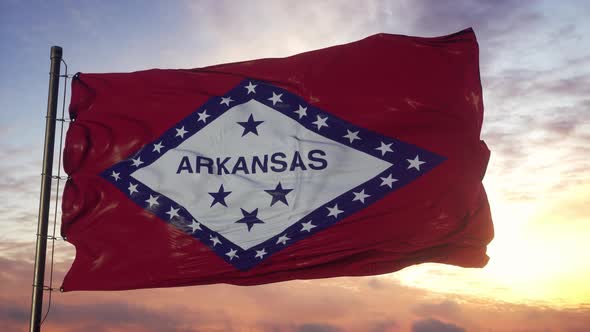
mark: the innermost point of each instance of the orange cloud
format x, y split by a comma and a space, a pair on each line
377, 304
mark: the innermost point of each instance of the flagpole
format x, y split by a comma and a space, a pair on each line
44, 200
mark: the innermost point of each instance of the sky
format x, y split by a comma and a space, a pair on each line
535, 71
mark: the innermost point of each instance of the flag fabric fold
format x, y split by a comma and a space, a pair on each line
352, 160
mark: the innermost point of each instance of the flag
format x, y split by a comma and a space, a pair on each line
353, 160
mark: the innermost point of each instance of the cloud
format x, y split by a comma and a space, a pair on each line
339, 304
536, 125
307, 25
100, 316
387, 325
12, 318
433, 325
314, 327
445, 309
432, 15
10, 313
121, 315
383, 326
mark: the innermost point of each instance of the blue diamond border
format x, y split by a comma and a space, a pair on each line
337, 128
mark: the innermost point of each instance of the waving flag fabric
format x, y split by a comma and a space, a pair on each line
353, 160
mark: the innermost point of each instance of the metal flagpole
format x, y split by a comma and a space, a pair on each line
44, 200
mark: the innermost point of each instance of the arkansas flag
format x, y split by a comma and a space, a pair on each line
352, 160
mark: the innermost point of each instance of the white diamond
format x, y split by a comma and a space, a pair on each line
285, 135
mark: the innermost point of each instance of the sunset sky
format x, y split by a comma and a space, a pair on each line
535, 71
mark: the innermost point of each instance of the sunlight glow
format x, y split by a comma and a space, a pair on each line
542, 259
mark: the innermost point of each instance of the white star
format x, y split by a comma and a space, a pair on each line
352, 135
388, 181
180, 132
195, 226
260, 253
203, 116
115, 175
232, 253
334, 212
132, 188
307, 226
384, 148
360, 196
157, 147
137, 162
251, 87
173, 212
415, 163
215, 240
283, 239
226, 100
302, 111
153, 200
275, 98
320, 122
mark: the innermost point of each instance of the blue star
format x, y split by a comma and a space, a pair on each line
219, 196
250, 218
279, 194
250, 126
